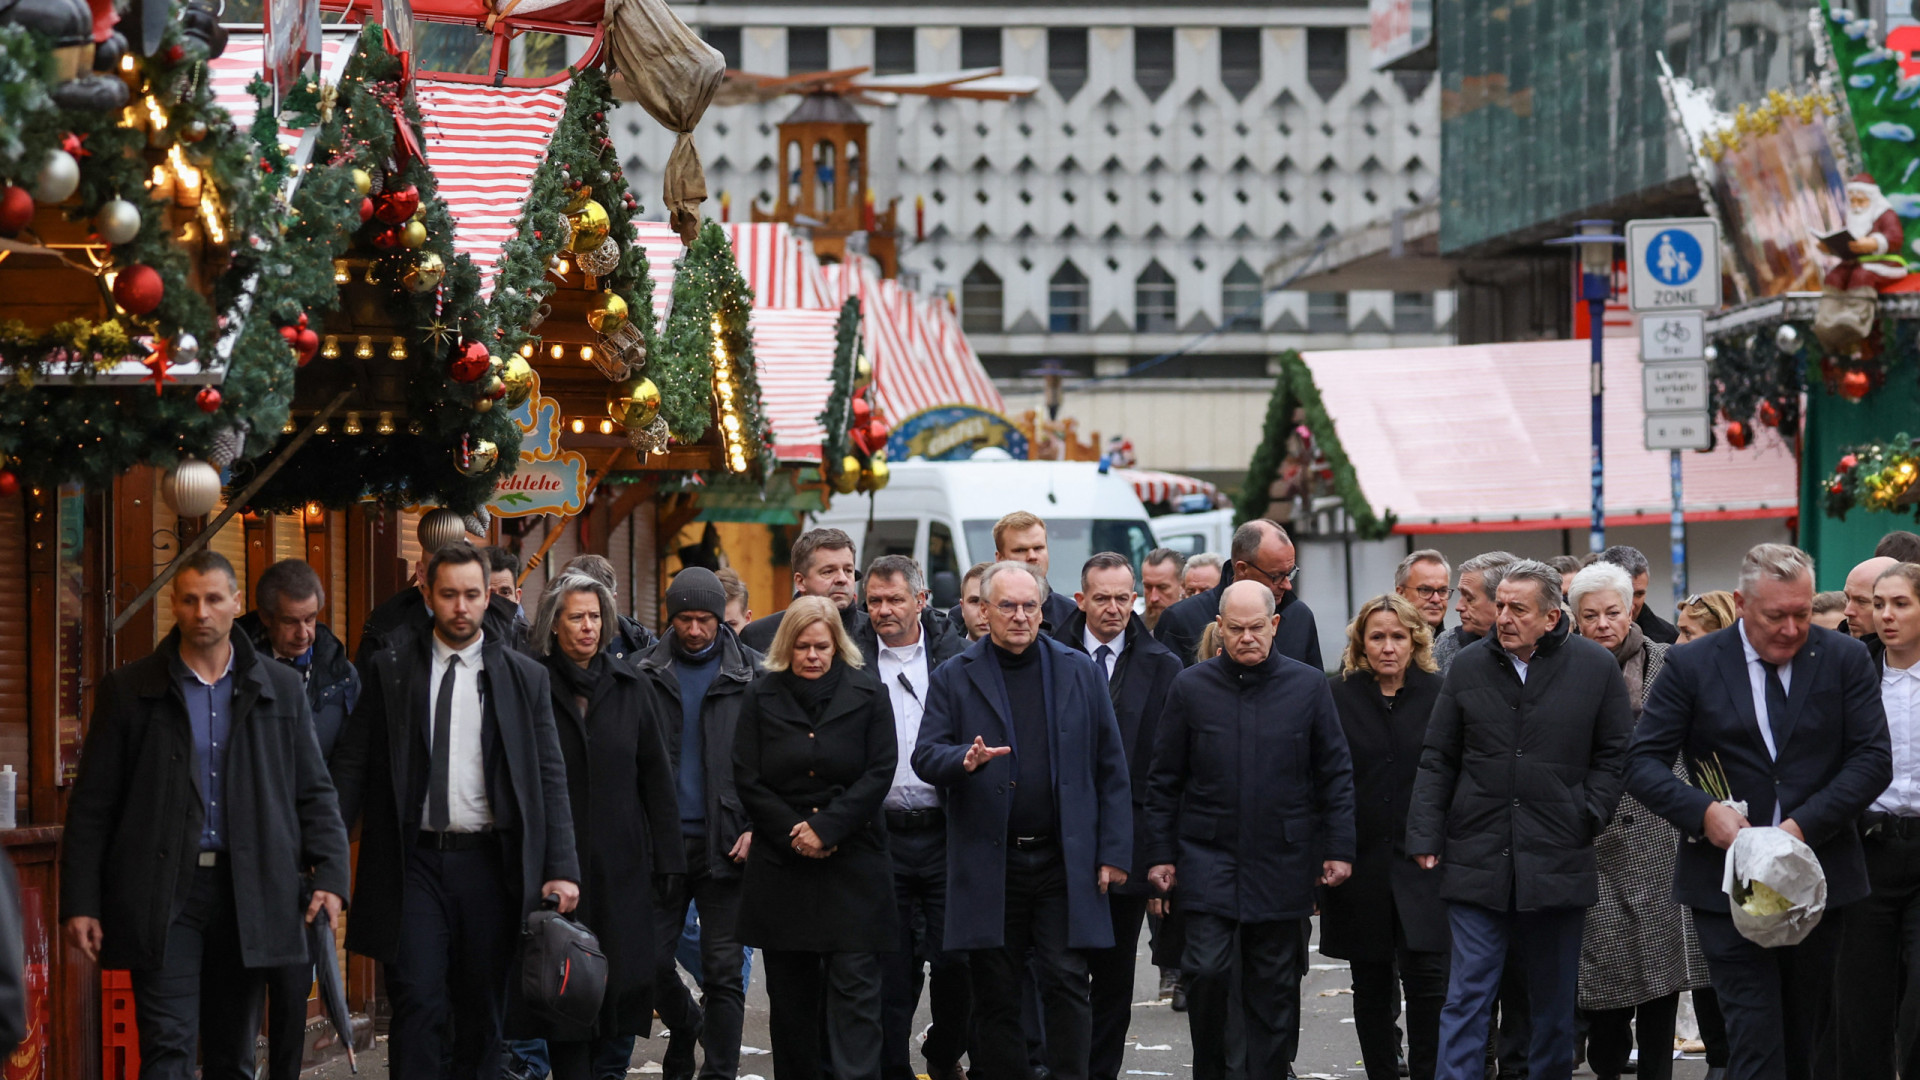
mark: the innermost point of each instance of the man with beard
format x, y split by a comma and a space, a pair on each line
1160, 583
822, 561
1872, 259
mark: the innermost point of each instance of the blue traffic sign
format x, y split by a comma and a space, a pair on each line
1673, 258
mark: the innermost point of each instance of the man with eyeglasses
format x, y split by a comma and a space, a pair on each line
903, 644
822, 561
1020, 738
1263, 552
1138, 670
1422, 579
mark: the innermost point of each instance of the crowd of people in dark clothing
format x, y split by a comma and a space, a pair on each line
1499, 824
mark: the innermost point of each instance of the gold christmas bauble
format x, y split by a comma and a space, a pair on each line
634, 403
362, 182
877, 473
608, 314
848, 475
426, 274
518, 375
862, 371
480, 458
590, 226
413, 235
438, 528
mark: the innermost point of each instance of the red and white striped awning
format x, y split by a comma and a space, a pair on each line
1158, 487
230, 73
779, 266
921, 359
484, 143
793, 355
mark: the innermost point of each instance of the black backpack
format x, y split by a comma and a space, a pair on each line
563, 973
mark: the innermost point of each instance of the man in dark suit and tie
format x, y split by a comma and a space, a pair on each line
454, 761
1792, 714
1138, 670
1020, 738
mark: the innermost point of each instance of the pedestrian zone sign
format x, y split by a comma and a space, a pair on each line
1673, 264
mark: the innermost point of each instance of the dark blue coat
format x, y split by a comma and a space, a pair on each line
1834, 761
1252, 788
332, 682
967, 697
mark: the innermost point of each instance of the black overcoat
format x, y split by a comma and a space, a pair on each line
719, 713
1516, 780
1141, 677
1356, 917
626, 829
1251, 789
1180, 626
833, 775
135, 815
1834, 761
380, 767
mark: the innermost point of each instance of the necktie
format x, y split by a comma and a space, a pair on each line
1103, 656
438, 815
1776, 707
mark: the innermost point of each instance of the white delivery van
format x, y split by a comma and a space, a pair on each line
942, 514
1191, 534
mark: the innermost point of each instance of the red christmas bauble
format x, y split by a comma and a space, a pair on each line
862, 412
1849, 461
397, 205
1769, 414
472, 363
138, 289
306, 343
16, 210
1836, 487
1737, 435
877, 432
859, 437
208, 399
9, 483
366, 211
1854, 385
386, 239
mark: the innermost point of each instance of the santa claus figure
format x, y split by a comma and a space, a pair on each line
1871, 260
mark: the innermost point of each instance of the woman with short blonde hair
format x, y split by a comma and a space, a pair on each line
802, 613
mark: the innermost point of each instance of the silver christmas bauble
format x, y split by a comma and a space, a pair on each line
118, 221
58, 178
438, 528
186, 348
1711, 353
1786, 339
191, 489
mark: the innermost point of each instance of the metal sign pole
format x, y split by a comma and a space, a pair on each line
1677, 532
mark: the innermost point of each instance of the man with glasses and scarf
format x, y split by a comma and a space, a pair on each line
1263, 552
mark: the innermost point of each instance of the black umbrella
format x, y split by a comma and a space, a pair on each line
333, 989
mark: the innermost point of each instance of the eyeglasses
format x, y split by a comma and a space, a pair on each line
1272, 577
1010, 609
1428, 592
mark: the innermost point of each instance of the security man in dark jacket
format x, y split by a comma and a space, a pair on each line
1250, 806
1792, 715
696, 678
1521, 770
822, 561
1262, 552
285, 626
202, 799
452, 767
903, 642
1138, 670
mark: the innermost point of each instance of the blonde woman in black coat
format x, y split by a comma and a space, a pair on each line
813, 758
1389, 912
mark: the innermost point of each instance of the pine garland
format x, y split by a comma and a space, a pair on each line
837, 414
709, 284
92, 433
1294, 390
1757, 375
418, 462
1874, 477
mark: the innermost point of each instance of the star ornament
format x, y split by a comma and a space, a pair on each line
440, 333
158, 363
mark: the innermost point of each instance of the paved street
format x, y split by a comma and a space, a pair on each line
1159, 1038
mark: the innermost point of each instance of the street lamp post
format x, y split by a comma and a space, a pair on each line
1593, 244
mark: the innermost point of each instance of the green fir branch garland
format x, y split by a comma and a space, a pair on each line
418, 462
709, 283
837, 414
1293, 390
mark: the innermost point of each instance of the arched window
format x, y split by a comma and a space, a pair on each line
1240, 298
1155, 300
1067, 300
981, 300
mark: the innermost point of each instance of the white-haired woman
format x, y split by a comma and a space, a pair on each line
813, 758
1638, 950
626, 822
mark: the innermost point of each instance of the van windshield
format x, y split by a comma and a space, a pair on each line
1070, 543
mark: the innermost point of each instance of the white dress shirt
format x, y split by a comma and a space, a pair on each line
908, 663
1519, 668
1757, 682
1900, 693
467, 806
1093, 645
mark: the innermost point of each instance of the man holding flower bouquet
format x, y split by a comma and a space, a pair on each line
1788, 718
